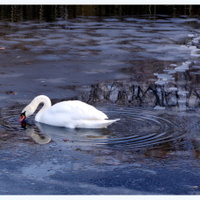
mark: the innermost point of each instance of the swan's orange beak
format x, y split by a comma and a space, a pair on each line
22, 117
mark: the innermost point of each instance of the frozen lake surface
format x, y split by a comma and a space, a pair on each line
143, 71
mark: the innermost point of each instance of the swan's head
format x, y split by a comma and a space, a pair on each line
26, 112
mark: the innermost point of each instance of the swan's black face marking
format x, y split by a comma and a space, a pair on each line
23, 116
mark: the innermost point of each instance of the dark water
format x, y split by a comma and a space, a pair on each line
53, 12
136, 63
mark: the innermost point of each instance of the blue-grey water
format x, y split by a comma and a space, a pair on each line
144, 71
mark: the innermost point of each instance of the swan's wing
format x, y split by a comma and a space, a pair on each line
76, 110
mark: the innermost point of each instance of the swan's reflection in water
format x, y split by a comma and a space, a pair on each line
43, 134
38, 138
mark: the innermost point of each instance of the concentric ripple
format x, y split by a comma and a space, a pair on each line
137, 128
140, 128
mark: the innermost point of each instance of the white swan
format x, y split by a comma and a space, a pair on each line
70, 114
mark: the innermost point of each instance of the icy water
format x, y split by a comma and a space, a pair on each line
144, 71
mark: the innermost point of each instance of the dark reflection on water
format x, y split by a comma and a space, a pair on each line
52, 12
176, 88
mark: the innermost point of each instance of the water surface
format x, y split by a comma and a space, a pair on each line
142, 70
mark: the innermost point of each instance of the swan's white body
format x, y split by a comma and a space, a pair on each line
70, 114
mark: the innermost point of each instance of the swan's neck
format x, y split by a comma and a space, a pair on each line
46, 104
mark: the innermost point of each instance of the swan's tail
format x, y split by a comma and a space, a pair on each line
97, 123
108, 122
